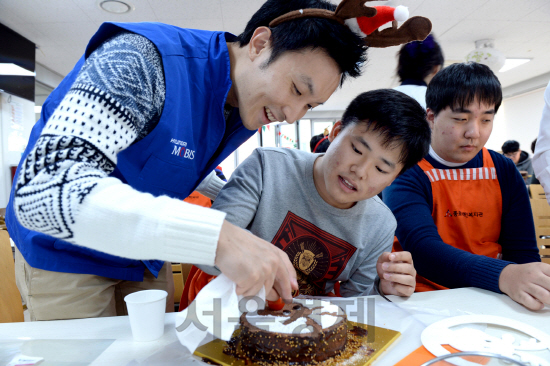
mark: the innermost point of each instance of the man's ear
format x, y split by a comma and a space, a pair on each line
259, 42
430, 117
336, 129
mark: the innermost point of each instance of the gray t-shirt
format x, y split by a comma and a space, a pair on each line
273, 195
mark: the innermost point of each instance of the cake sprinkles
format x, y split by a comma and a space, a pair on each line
296, 334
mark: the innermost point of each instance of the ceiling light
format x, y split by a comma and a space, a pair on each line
116, 6
485, 53
13, 69
513, 62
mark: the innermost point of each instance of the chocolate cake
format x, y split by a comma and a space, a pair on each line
295, 334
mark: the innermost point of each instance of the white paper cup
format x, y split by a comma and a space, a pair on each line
146, 312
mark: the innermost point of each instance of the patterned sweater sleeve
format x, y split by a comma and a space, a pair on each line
64, 189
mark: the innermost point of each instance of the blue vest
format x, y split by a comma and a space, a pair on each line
190, 140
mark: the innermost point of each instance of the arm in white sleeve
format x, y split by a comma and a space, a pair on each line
211, 185
138, 225
541, 159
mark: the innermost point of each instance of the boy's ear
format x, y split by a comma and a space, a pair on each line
430, 117
259, 42
435, 70
336, 129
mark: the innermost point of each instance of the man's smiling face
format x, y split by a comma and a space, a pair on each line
286, 88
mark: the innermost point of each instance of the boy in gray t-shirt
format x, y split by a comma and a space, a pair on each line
323, 209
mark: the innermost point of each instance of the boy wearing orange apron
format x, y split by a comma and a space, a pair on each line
463, 212
322, 210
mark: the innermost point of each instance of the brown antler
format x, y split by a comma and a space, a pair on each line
345, 10
414, 29
353, 9
303, 13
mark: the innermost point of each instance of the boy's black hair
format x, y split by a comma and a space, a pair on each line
323, 146
458, 85
533, 144
346, 48
399, 119
417, 59
510, 146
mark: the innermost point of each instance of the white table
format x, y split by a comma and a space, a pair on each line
455, 302
112, 338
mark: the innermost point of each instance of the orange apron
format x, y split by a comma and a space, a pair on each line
196, 279
467, 210
198, 199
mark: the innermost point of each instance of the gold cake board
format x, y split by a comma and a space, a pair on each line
383, 338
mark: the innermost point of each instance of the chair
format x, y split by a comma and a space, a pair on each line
536, 191
11, 306
541, 217
2, 219
180, 272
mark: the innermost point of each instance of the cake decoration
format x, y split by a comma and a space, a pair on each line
366, 20
297, 333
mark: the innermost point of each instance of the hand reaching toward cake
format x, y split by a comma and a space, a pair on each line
251, 263
397, 273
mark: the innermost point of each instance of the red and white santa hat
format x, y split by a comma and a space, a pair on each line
364, 26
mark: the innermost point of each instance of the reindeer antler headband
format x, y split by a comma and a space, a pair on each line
365, 20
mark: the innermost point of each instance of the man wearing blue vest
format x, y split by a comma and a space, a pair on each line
142, 121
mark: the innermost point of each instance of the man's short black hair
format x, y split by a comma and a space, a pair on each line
417, 59
458, 85
346, 48
399, 119
510, 146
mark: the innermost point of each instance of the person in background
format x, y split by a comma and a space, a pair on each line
324, 212
418, 63
463, 212
534, 179
141, 121
511, 150
320, 143
541, 158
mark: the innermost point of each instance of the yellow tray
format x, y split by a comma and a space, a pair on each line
383, 337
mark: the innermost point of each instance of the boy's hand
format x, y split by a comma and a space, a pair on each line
251, 263
527, 284
397, 273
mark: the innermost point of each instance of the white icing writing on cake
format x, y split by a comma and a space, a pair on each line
276, 323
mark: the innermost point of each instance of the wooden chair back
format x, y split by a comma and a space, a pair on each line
11, 307
536, 192
541, 217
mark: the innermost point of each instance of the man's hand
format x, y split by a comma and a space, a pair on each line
251, 263
527, 284
397, 273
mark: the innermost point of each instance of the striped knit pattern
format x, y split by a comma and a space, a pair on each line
461, 174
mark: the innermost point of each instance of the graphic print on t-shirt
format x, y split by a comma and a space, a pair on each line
317, 255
